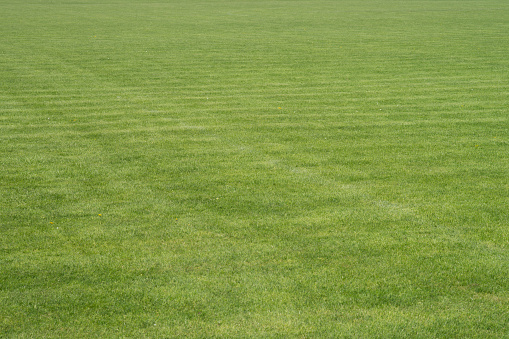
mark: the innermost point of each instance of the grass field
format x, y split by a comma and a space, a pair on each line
220, 168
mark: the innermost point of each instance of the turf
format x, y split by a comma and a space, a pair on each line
254, 168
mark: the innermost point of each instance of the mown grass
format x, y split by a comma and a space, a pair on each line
254, 169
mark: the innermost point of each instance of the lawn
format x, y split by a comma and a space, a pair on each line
257, 168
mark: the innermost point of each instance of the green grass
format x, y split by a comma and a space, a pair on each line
254, 168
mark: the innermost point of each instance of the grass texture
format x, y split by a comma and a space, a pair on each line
254, 168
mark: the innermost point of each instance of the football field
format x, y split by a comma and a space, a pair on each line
254, 169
